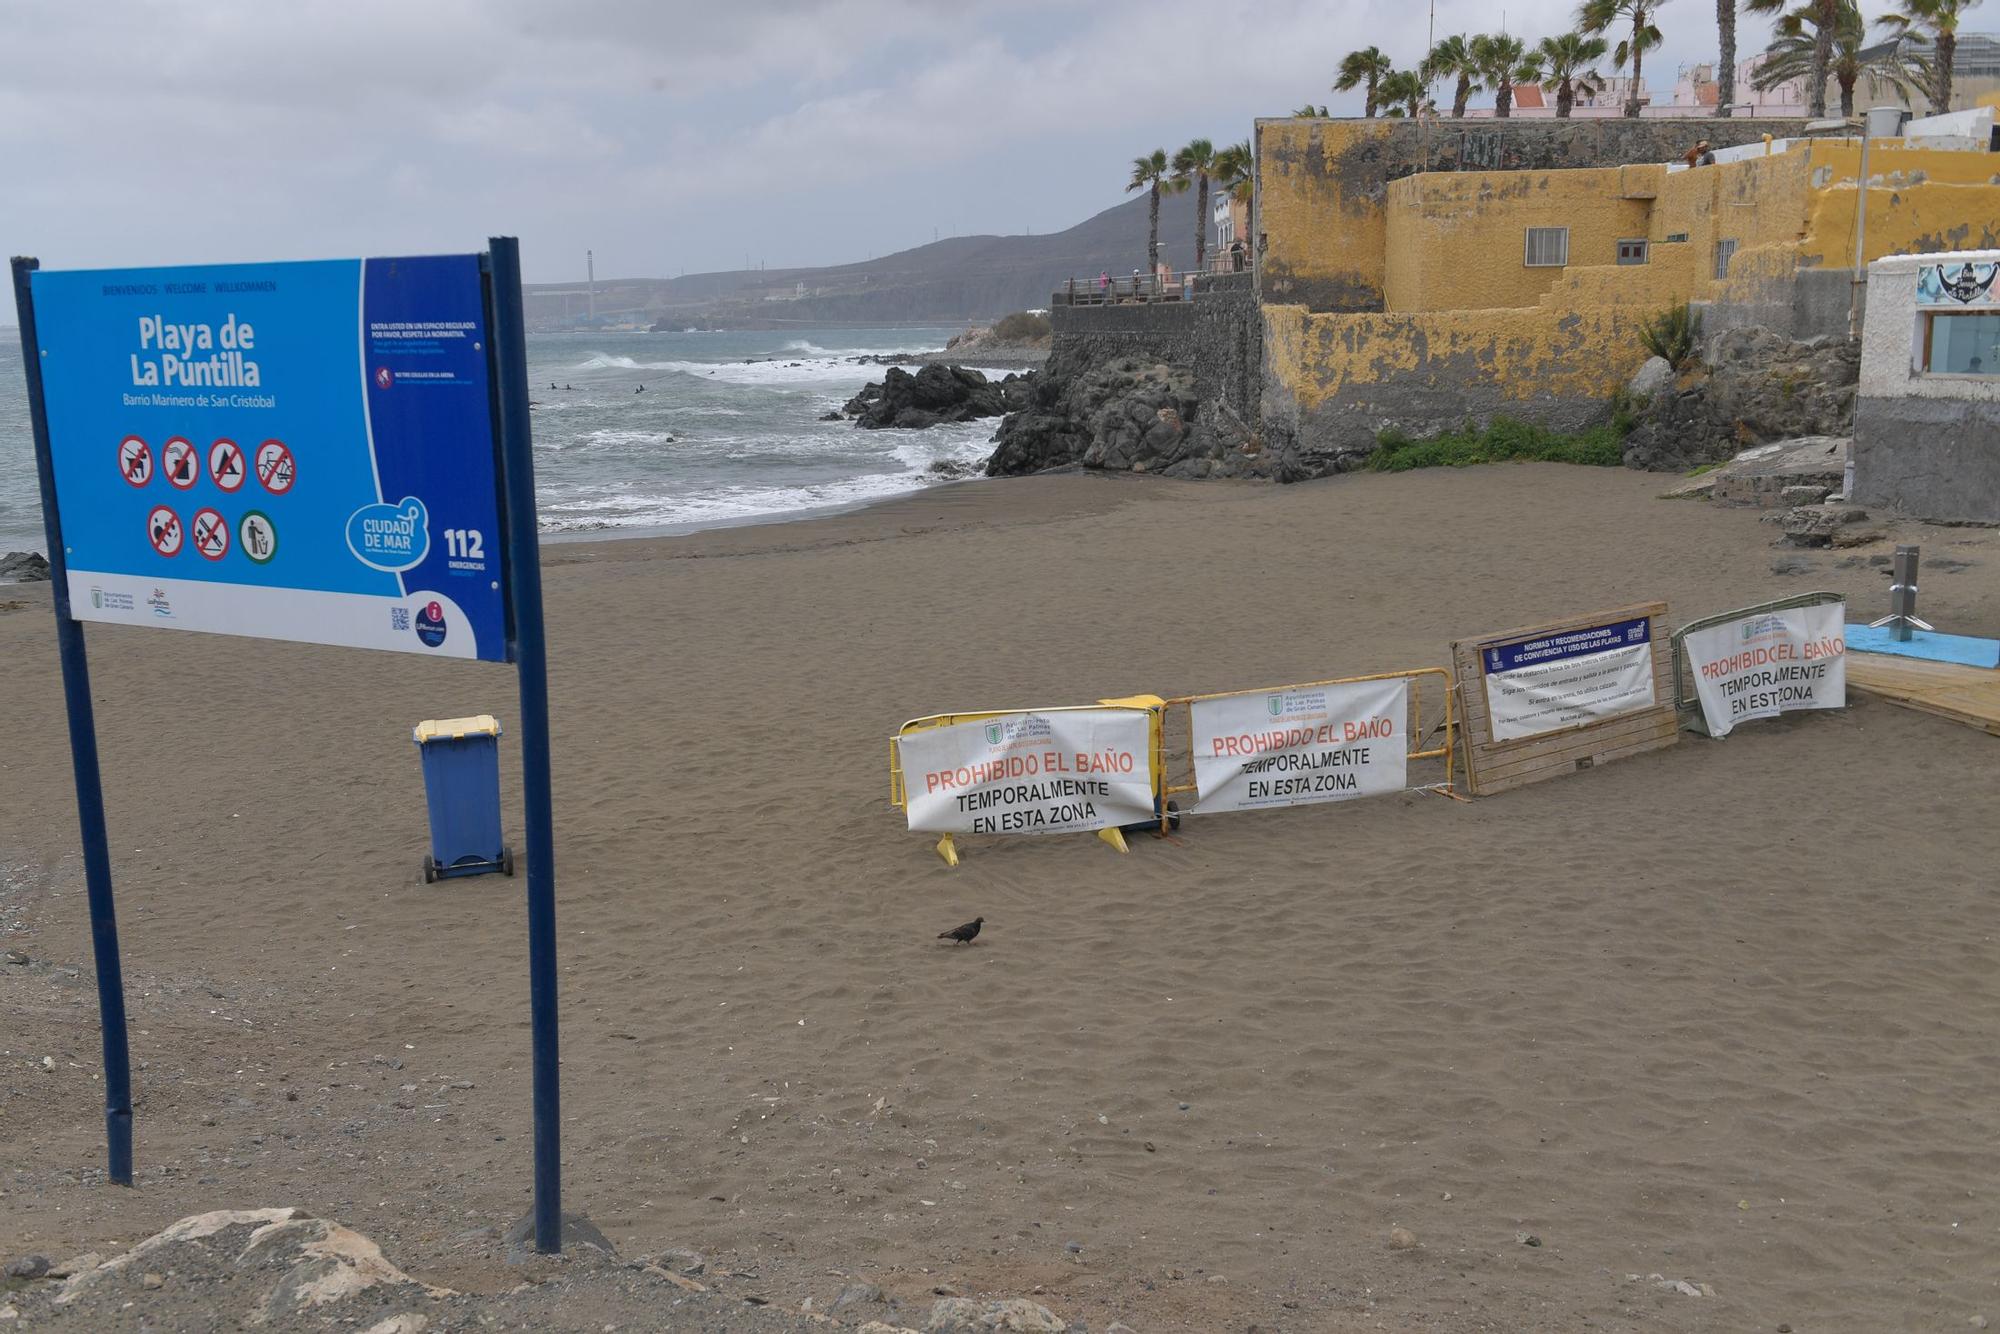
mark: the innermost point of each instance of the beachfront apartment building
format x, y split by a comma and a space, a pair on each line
1975, 80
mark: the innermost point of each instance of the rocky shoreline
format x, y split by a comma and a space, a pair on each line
998, 356
935, 395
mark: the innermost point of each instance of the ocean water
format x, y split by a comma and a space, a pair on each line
726, 430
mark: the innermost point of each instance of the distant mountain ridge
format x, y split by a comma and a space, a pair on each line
956, 280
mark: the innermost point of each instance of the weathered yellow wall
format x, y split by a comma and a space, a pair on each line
1919, 201
1315, 228
1465, 330
1663, 280
1456, 240
1517, 355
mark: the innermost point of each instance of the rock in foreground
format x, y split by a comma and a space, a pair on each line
1753, 387
255, 1266
935, 394
25, 567
282, 1269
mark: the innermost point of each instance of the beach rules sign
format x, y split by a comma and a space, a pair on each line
1770, 663
1300, 745
317, 451
300, 451
1567, 677
1056, 772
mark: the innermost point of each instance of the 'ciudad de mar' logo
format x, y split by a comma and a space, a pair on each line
390, 537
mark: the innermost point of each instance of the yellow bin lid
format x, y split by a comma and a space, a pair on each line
455, 729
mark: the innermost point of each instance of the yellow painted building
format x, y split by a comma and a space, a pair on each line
1427, 298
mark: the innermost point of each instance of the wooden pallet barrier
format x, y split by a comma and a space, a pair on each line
1547, 700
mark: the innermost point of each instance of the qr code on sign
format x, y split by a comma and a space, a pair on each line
399, 618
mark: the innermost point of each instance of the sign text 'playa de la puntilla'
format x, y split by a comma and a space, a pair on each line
288, 451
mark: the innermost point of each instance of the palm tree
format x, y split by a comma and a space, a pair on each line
1194, 164
1147, 173
1725, 63
1309, 112
1501, 61
1934, 23
1236, 170
1452, 58
1569, 61
1403, 92
1825, 22
1791, 52
1598, 16
1366, 66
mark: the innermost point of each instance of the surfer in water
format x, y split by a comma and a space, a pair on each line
640, 390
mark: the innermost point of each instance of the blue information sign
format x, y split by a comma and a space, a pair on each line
1566, 644
295, 451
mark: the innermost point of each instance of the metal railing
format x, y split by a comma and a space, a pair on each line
1143, 289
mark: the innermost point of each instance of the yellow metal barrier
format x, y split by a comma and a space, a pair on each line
1447, 752
899, 796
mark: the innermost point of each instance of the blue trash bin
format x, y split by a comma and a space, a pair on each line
461, 758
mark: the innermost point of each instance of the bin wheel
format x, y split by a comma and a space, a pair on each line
507, 861
430, 869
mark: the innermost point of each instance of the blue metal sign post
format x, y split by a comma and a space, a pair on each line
510, 362
318, 451
83, 758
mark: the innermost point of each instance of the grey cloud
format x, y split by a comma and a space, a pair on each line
663, 134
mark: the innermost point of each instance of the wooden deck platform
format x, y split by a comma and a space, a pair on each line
1969, 695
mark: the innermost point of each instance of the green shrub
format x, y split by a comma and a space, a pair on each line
1674, 333
1502, 440
1022, 327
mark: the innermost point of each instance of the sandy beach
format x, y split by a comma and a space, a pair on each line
1723, 1014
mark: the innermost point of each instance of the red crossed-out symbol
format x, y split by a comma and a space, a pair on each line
225, 465
182, 464
135, 460
163, 530
211, 534
275, 467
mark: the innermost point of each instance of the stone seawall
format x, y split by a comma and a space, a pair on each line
1172, 387
1219, 336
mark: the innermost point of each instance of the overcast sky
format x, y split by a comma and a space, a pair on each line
668, 135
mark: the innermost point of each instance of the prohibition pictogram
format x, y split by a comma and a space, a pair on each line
225, 465
163, 530
275, 468
211, 534
181, 463
135, 460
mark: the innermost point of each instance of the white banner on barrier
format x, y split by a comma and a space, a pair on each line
1030, 773
1568, 677
1306, 744
1770, 663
